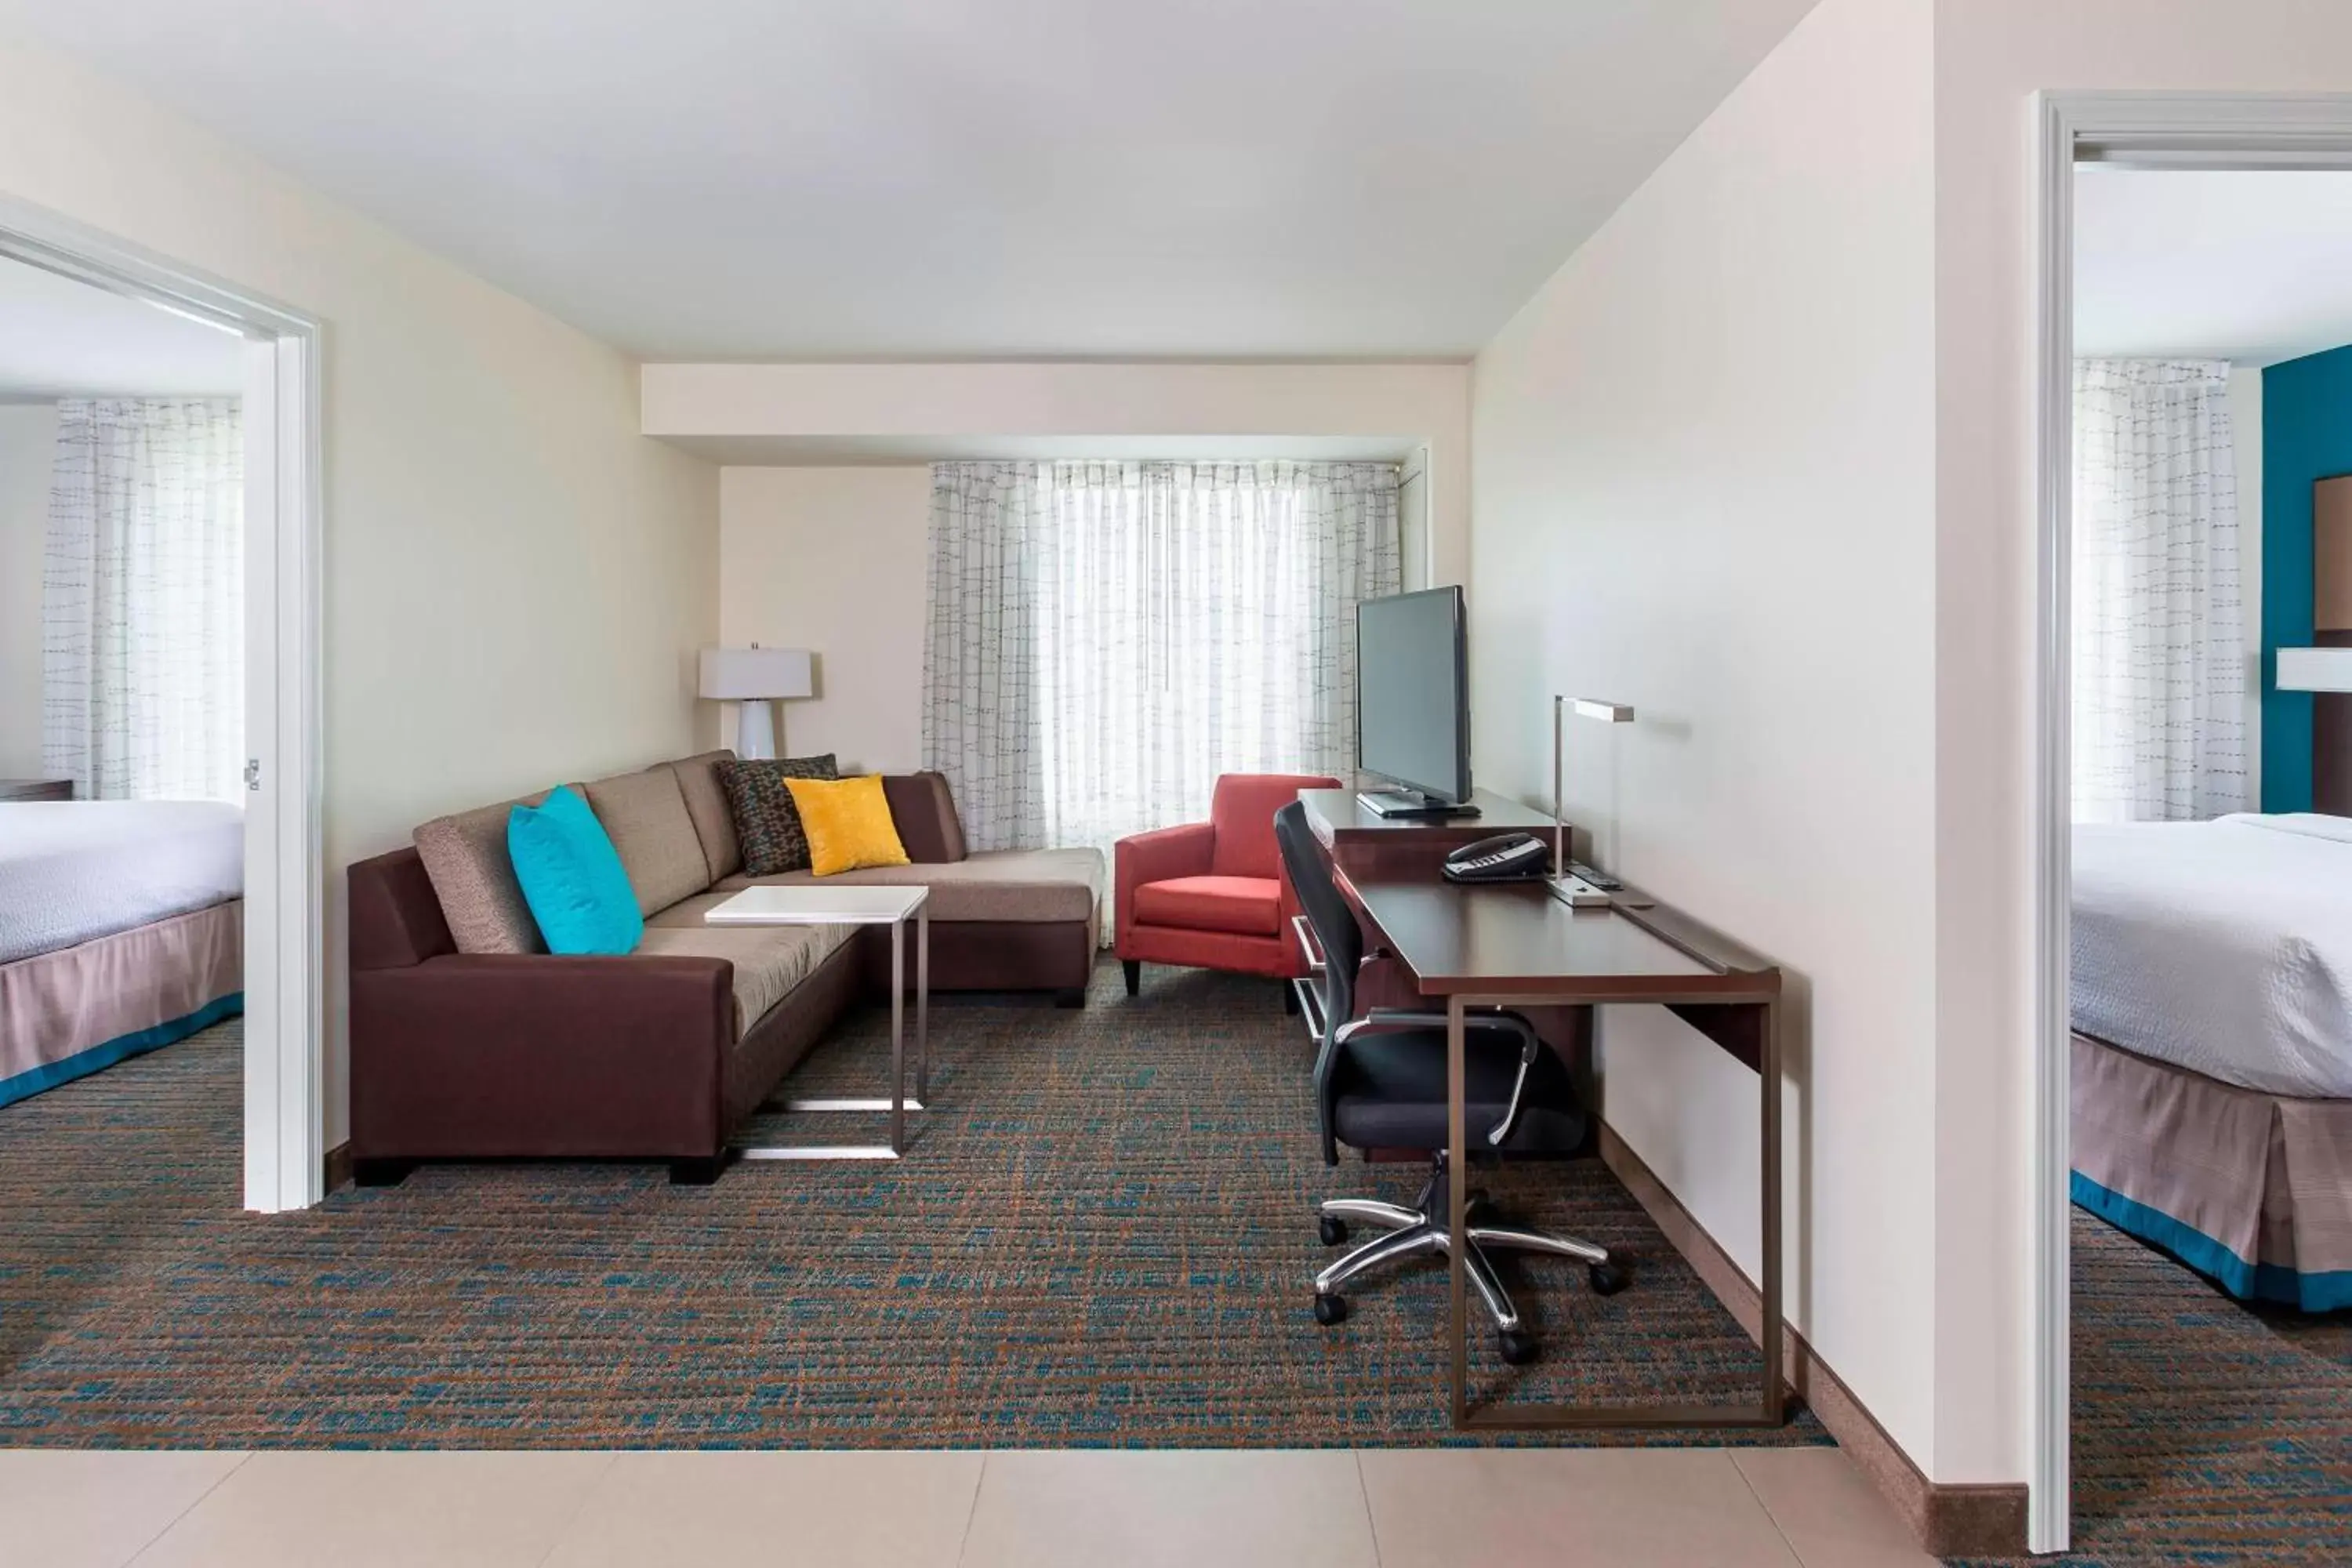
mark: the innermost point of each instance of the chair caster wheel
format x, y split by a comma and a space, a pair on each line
1607, 1278
1329, 1310
1332, 1231
1518, 1346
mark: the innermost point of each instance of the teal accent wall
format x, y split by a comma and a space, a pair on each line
2306, 435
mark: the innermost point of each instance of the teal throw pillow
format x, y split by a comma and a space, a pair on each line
572, 877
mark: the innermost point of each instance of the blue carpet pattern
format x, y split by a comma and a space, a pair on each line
1103, 1236
2206, 1431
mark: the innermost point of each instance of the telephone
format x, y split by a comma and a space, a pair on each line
1505, 857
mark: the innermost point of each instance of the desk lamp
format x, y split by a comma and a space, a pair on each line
1566, 885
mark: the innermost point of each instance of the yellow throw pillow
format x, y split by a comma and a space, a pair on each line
848, 824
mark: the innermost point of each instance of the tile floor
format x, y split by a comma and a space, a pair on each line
1668, 1507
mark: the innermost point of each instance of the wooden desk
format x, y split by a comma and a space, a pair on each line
1517, 946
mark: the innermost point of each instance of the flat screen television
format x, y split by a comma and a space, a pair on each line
1412, 702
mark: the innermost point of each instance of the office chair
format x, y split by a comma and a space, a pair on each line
1380, 1083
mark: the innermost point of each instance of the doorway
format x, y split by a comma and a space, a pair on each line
283, 875
2136, 131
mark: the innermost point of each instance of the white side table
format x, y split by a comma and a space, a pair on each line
860, 905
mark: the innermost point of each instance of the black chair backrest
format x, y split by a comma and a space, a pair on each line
1341, 939
1328, 914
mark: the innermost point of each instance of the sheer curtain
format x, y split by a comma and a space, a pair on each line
2159, 664
142, 600
1106, 638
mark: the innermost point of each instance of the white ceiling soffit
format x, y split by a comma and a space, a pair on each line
59, 338
2254, 267
854, 451
953, 178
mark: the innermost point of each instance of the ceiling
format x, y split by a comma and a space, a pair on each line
765, 179
2243, 265
63, 338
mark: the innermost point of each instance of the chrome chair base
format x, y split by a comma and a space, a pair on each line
1421, 1230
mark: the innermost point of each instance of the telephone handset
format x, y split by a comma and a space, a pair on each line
1505, 857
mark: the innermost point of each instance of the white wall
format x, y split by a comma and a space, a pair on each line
1703, 484
734, 408
1992, 55
2246, 447
516, 580
1412, 522
28, 440
834, 560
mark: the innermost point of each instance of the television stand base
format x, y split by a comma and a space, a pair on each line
1407, 803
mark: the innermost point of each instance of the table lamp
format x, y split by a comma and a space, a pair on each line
1566, 885
753, 678
2315, 670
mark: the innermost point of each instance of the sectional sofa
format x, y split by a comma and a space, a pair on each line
469, 1040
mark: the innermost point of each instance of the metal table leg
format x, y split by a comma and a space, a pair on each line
922, 1002
897, 1037
897, 1102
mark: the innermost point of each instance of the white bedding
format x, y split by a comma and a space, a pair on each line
2224, 947
72, 870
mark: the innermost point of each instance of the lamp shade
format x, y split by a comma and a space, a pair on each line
2315, 670
755, 674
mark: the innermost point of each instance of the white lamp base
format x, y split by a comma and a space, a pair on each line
755, 728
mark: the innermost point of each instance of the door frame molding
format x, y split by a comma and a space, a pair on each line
285, 881
2138, 129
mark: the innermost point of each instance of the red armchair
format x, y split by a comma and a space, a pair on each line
1212, 895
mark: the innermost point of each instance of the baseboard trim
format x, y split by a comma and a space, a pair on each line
339, 1166
1949, 1520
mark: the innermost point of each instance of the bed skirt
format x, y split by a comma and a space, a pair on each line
68, 1014
2253, 1190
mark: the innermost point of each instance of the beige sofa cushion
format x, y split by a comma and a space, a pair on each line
466, 856
645, 815
769, 959
705, 802
687, 912
1016, 886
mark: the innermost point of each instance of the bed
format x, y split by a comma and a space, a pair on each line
2211, 997
122, 929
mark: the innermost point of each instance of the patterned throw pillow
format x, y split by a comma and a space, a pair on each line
765, 819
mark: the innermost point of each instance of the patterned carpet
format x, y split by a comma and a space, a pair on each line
1102, 1237
2205, 1432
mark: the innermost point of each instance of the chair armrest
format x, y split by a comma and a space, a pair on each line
1155, 856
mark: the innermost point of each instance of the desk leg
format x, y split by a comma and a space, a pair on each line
1774, 1410
1457, 1183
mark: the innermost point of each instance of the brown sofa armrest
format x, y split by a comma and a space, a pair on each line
490, 1055
923, 810
395, 916
1154, 857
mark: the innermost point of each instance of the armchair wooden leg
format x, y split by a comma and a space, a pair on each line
700, 1171
1134, 967
1289, 999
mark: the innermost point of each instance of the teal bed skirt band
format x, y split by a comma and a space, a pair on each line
2247, 1281
106, 1053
